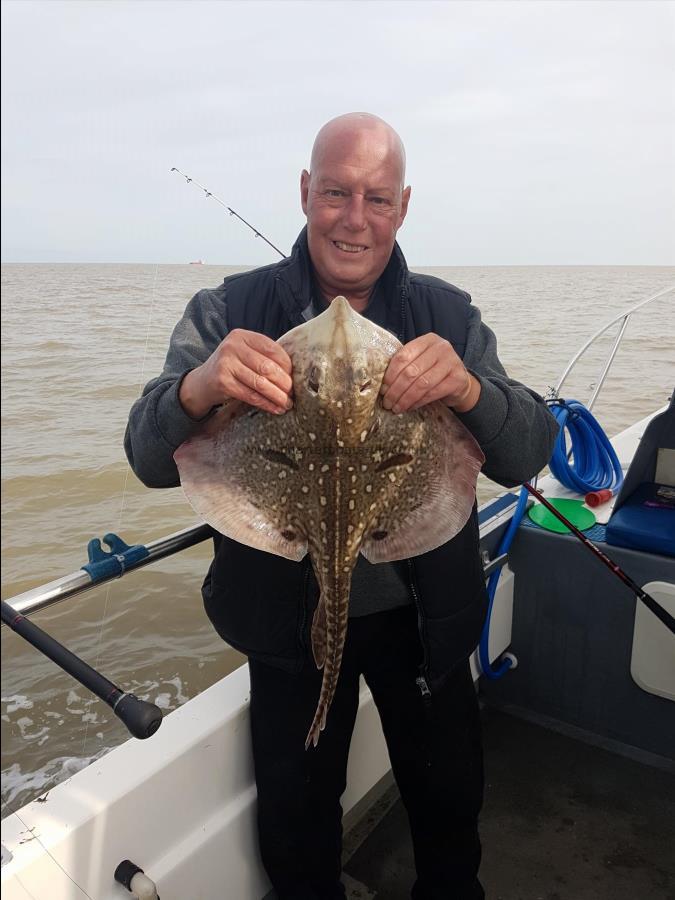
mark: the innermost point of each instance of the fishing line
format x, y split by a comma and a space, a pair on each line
124, 490
32, 834
36, 837
257, 233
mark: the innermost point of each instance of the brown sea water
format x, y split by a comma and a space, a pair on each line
78, 342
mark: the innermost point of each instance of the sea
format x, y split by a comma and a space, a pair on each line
78, 344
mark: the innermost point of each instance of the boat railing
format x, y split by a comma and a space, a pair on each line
622, 319
78, 582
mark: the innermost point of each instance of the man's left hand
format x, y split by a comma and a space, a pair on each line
425, 370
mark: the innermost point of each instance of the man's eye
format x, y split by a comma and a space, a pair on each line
335, 192
380, 201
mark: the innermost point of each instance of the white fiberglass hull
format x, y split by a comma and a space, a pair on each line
181, 805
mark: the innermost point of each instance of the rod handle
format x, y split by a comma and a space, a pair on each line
141, 718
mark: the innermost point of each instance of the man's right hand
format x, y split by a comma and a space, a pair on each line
245, 366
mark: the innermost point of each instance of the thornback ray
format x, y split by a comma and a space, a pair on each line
335, 476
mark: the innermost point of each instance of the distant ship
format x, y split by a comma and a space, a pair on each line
197, 262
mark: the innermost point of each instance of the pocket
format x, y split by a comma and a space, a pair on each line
454, 637
255, 600
449, 577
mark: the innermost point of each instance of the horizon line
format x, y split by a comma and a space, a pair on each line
412, 266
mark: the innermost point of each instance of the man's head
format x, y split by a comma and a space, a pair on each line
355, 202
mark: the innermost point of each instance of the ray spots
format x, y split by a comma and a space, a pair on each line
334, 476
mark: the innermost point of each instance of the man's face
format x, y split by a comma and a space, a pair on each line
354, 205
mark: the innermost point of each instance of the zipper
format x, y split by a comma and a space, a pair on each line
404, 297
421, 680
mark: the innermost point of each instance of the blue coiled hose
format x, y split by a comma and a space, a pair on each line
595, 467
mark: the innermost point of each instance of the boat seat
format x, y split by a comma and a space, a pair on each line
646, 521
644, 513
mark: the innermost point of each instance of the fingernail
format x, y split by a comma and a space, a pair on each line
289, 404
396, 409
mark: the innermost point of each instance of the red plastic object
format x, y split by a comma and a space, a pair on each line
596, 498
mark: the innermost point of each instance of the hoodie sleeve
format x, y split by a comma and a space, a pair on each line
512, 424
158, 424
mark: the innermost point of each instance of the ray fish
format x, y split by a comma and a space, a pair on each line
337, 475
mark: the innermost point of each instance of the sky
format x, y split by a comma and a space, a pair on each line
537, 133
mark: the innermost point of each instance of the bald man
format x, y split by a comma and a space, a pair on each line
413, 624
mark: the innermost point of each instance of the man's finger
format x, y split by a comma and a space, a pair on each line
262, 386
423, 391
243, 392
415, 376
265, 367
405, 356
401, 360
255, 399
270, 349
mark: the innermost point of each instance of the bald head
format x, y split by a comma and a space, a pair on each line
359, 130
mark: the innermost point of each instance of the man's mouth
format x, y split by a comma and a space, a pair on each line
350, 248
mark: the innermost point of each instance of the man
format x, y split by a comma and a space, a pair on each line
412, 624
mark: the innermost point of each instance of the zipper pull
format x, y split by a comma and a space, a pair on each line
421, 683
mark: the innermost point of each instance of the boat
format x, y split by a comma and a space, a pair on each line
197, 262
580, 731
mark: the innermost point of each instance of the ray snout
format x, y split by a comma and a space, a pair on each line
341, 310
335, 329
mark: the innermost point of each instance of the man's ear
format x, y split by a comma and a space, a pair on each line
405, 199
304, 189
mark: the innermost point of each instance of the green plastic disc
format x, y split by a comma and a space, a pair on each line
574, 510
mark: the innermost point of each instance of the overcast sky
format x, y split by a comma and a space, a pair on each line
536, 132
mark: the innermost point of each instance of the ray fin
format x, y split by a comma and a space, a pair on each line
439, 505
238, 472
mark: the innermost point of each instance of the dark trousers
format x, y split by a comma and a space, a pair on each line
435, 752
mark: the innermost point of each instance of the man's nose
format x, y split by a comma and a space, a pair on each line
355, 213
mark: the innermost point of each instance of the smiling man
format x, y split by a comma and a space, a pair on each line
413, 624
355, 202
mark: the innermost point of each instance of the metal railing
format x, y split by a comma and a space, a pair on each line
623, 318
78, 582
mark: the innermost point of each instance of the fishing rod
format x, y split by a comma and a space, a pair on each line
647, 599
229, 209
141, 718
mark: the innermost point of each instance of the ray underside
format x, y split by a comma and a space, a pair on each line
336, 475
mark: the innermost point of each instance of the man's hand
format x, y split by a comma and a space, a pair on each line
425, 370
245, 366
